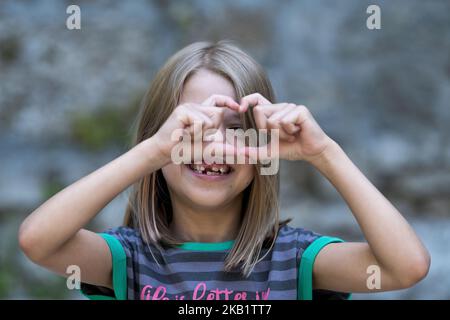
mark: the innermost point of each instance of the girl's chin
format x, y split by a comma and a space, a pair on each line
203, 197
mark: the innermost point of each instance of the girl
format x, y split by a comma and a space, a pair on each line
212, 231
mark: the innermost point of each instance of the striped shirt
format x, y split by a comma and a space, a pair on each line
195, 270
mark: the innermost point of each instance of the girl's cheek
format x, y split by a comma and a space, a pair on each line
248, 174
171, 173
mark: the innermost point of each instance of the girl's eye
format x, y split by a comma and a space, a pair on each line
236, 127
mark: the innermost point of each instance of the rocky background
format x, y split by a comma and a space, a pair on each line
68, 99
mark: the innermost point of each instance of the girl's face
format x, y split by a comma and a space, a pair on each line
208, 190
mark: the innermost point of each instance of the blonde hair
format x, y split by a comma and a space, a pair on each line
149, 208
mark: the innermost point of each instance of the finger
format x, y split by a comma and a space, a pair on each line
221, 101
195, 130
260, 117
207, 122
302, 115
281, 133
253, 99
290, 120
297, 116
198, 123
269, 109
273, 122
262, 112
290, 129
214, 113
280, 111
188, 114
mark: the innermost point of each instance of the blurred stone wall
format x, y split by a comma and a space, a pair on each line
68, 100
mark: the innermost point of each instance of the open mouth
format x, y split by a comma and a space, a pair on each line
211, 169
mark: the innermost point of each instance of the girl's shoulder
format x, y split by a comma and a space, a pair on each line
288, 233
296, 239
128, 237
124, 232
132, 241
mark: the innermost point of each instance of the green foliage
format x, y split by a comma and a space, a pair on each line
9, 49
54, 289
106, 127
5, 282
51, 187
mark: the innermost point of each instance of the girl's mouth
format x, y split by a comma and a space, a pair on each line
217, 170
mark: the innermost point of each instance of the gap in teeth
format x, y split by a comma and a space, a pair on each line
212, 170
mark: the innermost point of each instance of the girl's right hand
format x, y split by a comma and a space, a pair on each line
191, 118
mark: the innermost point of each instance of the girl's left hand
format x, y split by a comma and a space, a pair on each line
300, 137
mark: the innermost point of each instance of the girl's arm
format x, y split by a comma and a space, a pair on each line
52, 236
391, 244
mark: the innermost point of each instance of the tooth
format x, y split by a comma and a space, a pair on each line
222, 170
209, 173
215, 169
202, 168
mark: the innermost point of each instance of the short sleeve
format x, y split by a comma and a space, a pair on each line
120, 243
310, 244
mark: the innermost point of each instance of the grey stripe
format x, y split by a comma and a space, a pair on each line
209, 276
279, 246
198, 276
218, 265
209, 256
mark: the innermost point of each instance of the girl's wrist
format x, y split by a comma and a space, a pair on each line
328, 157
149, 150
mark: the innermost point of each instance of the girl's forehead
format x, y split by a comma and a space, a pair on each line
203, 84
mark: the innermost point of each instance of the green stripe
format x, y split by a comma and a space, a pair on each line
119, 270
207, 246
305, 271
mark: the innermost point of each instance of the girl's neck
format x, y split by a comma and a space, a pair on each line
199, 224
